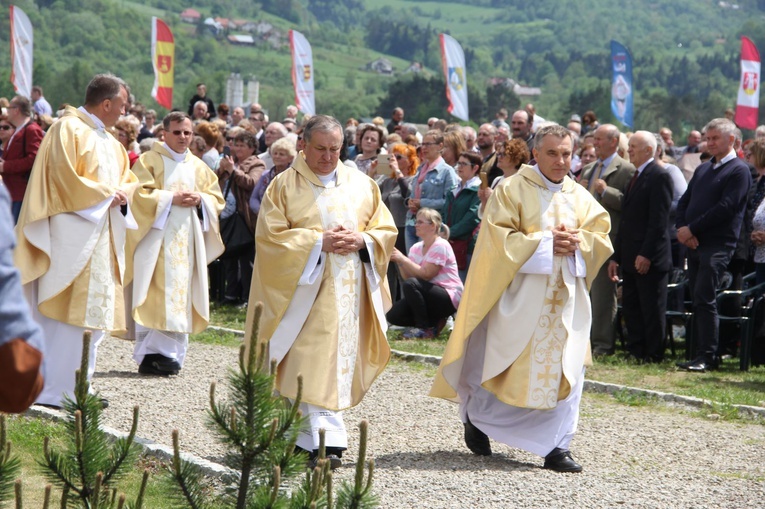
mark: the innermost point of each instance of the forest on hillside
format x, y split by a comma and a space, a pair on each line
686, 53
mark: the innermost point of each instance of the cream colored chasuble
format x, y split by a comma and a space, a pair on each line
165, 259
92, 227
537, 374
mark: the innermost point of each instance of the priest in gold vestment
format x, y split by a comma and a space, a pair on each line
323, 241
515, 360
177, 209
71, 233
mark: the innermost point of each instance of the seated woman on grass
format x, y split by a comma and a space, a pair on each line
432, 286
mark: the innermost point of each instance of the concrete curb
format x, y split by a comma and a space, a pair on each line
589, 385
148, 447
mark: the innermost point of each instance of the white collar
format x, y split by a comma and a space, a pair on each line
642, 166
330, 178
552, 186
99, 124
731, 155
175, 155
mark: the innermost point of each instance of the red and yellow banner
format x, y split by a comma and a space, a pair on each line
163, 59
748, 103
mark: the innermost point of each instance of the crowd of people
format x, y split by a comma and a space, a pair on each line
517, 233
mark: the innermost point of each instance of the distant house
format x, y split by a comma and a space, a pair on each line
224, 22
191, 16
380, 66
237, 24
241, 40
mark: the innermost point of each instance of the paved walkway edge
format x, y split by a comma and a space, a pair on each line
589, 385
148, 447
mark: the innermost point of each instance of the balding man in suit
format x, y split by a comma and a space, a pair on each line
643, 251
607, 179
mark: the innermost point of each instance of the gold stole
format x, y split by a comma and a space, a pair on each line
338, 208
535, 379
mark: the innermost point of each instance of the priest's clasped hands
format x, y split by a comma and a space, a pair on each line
565, 240
120, 198
186, 199
342, 241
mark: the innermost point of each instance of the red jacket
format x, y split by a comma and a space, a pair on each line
19, 157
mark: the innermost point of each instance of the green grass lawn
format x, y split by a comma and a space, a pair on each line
26, 436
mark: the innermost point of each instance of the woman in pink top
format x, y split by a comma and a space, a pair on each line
432, 286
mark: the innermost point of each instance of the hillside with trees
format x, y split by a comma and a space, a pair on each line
685, 52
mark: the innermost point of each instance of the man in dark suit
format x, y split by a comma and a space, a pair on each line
607, 178
20, 152
643, 251
709, 219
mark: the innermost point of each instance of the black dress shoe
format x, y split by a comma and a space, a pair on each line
700, 365
476, 440
560, 460
158, 365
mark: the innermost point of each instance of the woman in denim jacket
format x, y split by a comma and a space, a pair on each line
434, 179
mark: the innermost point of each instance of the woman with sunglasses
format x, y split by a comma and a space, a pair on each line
432, 286
6, 131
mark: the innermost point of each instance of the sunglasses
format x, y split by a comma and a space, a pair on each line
182, 133
229, 139
6, 127
399, 156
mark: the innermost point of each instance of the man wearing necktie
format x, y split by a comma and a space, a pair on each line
607, 179
709, 219
643, 251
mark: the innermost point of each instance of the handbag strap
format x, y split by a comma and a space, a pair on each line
230, 183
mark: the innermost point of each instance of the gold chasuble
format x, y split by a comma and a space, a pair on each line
70, 239
325, 321
537, 324
170, 288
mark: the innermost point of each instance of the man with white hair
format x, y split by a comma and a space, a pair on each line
643, 251
201, 95
200, 111
292, 112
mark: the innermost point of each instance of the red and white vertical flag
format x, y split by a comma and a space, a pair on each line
21, 52
302, 73
163, 59
747, 106
456, 78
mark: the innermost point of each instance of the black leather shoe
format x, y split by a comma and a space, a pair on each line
334, 461
158, 365
476, 440
560, 460
700, 365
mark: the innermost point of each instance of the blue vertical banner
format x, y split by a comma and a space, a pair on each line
621, 87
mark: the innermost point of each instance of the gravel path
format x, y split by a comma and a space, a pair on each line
652, 456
